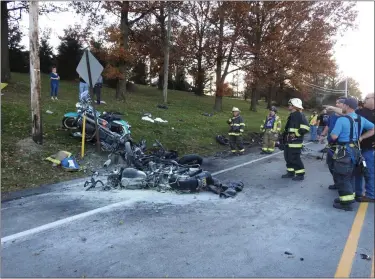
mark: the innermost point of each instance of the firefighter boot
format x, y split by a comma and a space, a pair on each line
288, 175
343, 206
298, 178
337, 200
333, 187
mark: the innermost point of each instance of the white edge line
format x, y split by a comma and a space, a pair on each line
51, 225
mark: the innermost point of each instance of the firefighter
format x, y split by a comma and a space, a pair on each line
271, 129
347, 135
236, 130
313, 126
296, 127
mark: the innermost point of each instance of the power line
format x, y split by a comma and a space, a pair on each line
324, 89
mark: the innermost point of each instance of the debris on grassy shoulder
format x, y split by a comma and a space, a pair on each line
148, 117
65, 160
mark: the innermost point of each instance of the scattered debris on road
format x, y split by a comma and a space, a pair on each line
365, 257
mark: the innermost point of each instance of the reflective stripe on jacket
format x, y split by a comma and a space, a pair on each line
276, 127
236, 126
297, 125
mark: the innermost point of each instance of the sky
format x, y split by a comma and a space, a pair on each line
354, 52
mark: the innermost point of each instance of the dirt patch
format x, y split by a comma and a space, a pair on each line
28, 146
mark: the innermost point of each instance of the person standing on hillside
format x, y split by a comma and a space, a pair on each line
83, 86
98, 88
54, 77
236, 130
367, 151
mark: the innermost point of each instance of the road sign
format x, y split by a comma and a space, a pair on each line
95, 67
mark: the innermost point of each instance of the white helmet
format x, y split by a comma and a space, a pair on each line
235, 109
295, 102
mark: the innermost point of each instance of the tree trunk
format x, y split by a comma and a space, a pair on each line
5, 67
219, 60
124, 26
200, 78
269, 96
166, 39
253, 103
37, 133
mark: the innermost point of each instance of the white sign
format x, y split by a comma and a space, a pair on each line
95, 67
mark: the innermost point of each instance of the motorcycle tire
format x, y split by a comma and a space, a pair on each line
129, 154
190, 159
69, 123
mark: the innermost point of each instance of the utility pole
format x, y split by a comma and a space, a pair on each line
346, 87
35, 88
166, 55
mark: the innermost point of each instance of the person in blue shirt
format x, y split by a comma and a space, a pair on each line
54, 77
347, 134
335, 113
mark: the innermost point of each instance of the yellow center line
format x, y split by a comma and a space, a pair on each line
373, 266
345, 265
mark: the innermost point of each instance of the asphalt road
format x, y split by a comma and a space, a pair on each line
68, 232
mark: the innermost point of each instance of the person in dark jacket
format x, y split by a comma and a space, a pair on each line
236, 130
98, 89
295, 129
367, 151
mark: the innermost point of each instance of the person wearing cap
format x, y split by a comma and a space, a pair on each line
271, 128
367, 152
313, 126
295, 129
236, 130
335, 113
347, 134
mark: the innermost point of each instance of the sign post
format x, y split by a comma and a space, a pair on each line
90, 69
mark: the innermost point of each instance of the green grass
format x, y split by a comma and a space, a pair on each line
192, 133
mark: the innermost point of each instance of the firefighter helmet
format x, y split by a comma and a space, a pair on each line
295, 102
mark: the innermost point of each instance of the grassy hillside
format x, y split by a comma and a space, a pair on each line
187, 130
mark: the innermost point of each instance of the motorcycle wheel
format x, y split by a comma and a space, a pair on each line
190, 159
69, 123
129, 154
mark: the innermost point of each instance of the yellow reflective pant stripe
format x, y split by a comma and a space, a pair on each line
292, 130
55, 161
347, 197
295, 145
290, 169
300, 171
234, 134
241, 130
242, 150
302, 126
236, 125
234, 151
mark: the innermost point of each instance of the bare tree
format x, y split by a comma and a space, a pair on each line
37, 133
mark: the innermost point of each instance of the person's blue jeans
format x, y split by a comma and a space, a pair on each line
313, 132
368, 155
54, 89
83, 87
320, 130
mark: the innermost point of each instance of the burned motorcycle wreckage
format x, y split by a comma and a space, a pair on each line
162, 170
